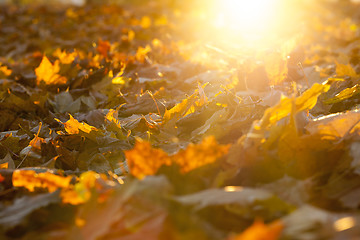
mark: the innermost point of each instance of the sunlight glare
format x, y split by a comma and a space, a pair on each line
247, 16
344, 224
233, 189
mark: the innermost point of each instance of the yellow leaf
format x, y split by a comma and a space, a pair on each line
31, 180
141, 53
305, 102
260, 231
72, 126
64, 57
345, 70
114, 123
48, 72
145, 22
344, 94
180, 109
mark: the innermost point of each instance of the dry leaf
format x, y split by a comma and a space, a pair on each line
81, 191
1, 178
260, 231
73, 126
103, 48
198, 155
305, 102
145, 160
31, 180
48, 72
7, 161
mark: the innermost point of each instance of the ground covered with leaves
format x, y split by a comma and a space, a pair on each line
139, 121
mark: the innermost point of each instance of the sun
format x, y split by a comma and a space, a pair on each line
245, 16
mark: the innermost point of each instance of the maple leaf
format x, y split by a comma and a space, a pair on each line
145, 160
64, 57
31, 180
73, 126
198, 155
260, 231
48, 72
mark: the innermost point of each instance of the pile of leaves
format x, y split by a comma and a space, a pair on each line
127, 122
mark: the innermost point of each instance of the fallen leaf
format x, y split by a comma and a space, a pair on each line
344, 94
73, 126
345, 70
48, 73
145, 160
30, 180
260, 231
305, 102
103, 47
8, 161
16, 213
198, 155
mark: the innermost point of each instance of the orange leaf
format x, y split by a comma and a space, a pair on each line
4, 165
4, 71
144, 160
37, 141
81, 191
48, 72
260, 231
198, 155
31, 180
1, 178
103, 47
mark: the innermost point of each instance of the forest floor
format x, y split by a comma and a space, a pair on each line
145, 121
